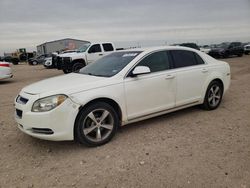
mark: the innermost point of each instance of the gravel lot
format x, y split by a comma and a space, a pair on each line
189, 148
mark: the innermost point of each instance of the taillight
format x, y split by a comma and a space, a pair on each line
4, 65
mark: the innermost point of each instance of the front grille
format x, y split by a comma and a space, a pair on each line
66, 59
59, 63
19, 113
54, 59
65, 63
21, 100
42, 131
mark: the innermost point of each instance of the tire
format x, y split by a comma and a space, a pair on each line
240, 55
34, 63
213, 96
91, 130
15, 63
77, 66
65, 71
226, 55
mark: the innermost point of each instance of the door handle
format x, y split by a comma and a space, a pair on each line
100, 54
204, 70
169, 77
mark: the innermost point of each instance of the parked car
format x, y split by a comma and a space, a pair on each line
206, 49
247, 49
8, 59
225, 50
190, 45
38, 60
118, 89
5, 70
88, 53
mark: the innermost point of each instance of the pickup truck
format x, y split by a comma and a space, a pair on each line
224, 50
88, 53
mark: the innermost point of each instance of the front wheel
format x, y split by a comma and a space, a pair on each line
77, 66
34, 63
96, 124
213, 96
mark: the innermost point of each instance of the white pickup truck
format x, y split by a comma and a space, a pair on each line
88, 53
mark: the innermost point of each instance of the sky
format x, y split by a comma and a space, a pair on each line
28, 23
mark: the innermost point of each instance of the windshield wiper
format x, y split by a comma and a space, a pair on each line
91, 74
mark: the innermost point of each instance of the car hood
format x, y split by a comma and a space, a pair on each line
73, 54
66, 84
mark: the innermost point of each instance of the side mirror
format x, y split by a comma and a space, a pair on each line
140, 70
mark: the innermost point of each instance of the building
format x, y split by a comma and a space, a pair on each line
60, 45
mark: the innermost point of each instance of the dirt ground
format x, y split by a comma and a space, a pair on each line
188, 148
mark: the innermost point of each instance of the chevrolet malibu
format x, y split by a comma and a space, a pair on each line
118, 89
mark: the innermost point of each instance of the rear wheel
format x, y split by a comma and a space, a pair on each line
213, 96
96, 125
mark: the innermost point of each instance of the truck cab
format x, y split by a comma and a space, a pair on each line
88, 53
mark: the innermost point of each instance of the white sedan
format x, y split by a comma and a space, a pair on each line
118, 89
5, 70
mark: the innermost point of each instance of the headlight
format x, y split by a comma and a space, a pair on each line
48, 103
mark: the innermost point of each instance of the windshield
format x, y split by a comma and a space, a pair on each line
83, 48
223, 45
110, 65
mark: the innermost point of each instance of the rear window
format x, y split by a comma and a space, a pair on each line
199, 60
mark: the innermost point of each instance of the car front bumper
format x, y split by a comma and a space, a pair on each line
55, 125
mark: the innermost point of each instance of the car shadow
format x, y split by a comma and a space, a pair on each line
164, 117
4, 82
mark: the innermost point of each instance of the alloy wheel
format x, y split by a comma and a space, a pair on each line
98, 125
214, 96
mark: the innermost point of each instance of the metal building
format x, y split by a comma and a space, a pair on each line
60, 45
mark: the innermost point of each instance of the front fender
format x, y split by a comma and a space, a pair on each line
113, 92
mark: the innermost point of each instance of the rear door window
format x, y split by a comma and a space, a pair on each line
183, 58
108, 47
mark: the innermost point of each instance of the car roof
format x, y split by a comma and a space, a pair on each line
157, 48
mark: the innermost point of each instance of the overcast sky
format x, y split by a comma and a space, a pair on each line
28, 23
